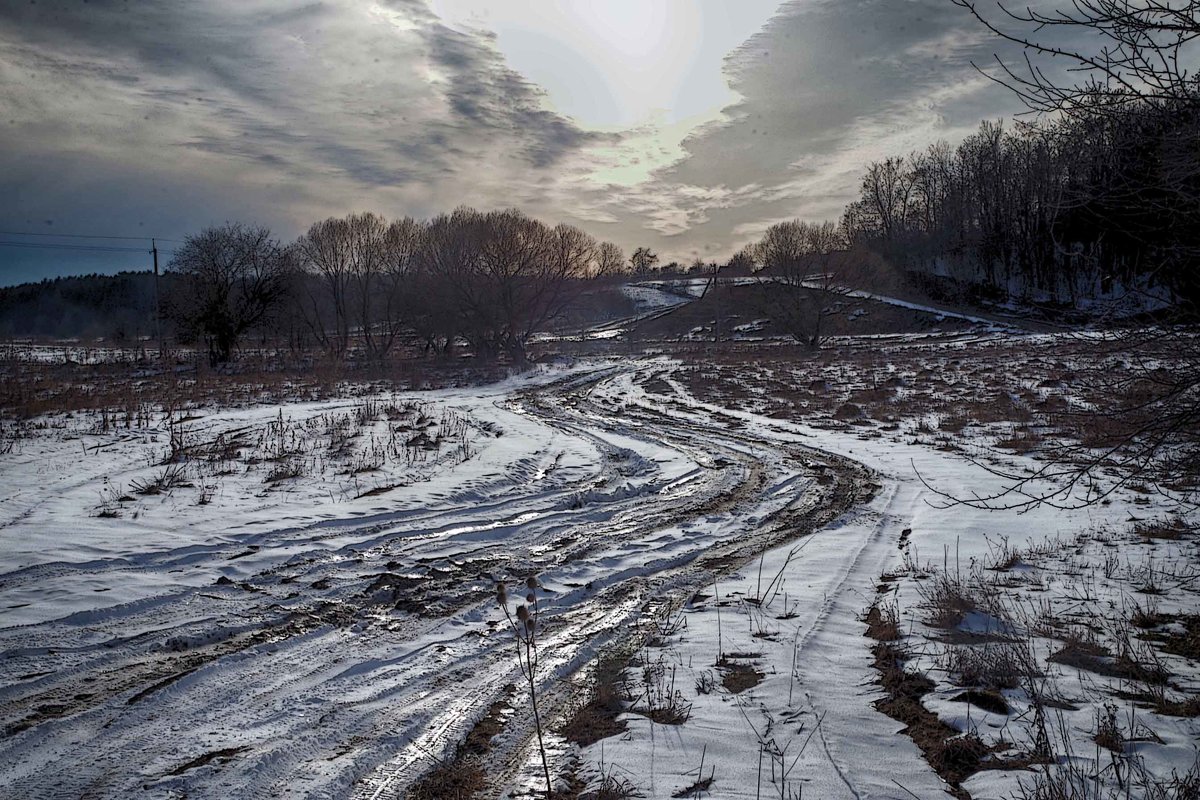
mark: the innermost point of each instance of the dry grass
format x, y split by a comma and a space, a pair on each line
1167, 529
986, 699
947, 600
738, 672
597, 717
991, 665
463, 776
127, 393
953, 755
883, 623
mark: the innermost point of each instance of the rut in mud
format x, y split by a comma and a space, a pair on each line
358, 652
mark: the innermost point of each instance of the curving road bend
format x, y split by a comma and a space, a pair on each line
357, 651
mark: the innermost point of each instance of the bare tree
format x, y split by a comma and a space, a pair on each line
394, 304
1144, 53
610, 260
369, 291
357, 267
1130, 104
443, 287
806, 276
743, 262
505, 276
325, 253
231, 278
643, 260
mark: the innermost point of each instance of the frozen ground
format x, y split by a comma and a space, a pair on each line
307, 607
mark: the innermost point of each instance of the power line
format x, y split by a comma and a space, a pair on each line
86, 236
95, 248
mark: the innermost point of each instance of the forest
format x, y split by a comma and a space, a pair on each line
1088, 206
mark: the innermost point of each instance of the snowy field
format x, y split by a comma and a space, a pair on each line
299, 600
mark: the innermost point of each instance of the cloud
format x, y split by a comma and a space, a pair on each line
168, 116
340, 99
825, 87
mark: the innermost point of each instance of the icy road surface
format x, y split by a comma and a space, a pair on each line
334, 651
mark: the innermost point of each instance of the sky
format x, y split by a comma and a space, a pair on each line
687, 126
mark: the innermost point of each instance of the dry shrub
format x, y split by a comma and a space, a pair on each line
883, 623
1168, 529
1109, 734
992, 665
1000, 407
1021, 441
848, 411
954, 423
946, 599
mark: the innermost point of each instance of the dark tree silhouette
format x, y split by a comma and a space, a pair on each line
1144, 53
229, 279
643, 260
807, 276
501, 275
1123, 193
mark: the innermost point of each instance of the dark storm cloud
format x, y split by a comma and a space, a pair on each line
166, 116
490, 98
337, 100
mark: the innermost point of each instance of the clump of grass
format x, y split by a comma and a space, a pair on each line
954, 423
1025, 441
1168, 529
659, 700
986, 699
903, 690
1109, 733
286, 470
598, 717
172, 477
739, 675
883, 623
1078, 779
1184, 640
848, 411
611, 787
1148, 616
947, 600
463, 775
991, 665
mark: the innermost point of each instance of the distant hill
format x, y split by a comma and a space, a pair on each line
116, 307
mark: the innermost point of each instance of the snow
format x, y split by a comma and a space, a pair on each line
346, 640
652, 296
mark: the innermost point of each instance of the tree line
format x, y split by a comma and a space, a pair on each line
1087, 205
1096, 198
361, 282
119, 308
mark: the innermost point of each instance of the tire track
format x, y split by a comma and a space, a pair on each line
385, 650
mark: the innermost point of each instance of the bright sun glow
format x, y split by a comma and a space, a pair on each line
619, 63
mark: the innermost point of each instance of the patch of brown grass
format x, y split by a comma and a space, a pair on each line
1171, 529
986, 699
463, 776
597, 717
883, 624
737, 676
1182, 642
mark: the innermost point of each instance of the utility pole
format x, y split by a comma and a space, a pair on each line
714, 284
157, 308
